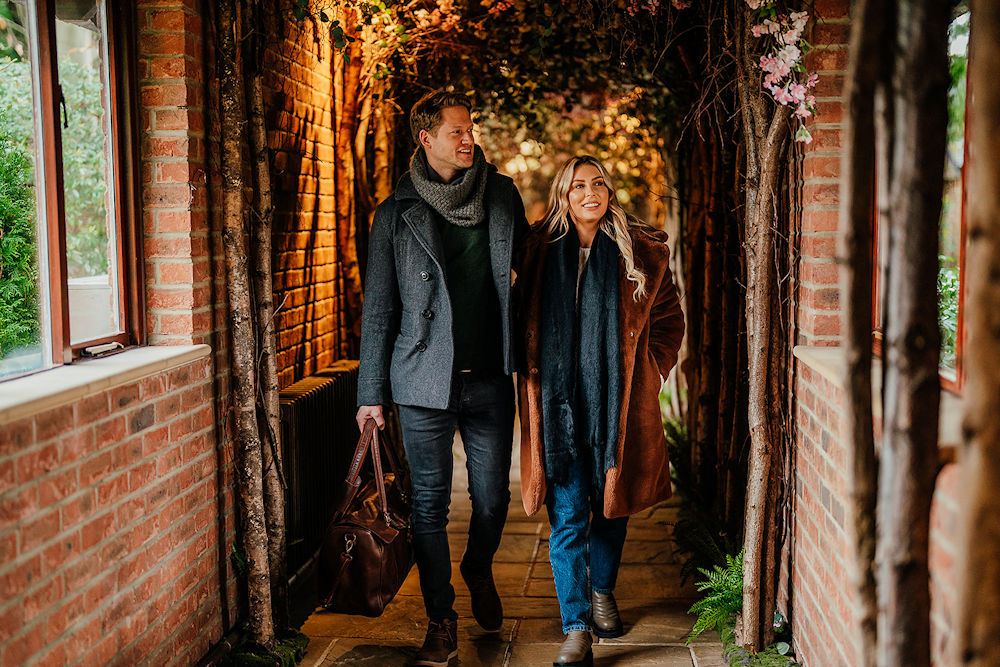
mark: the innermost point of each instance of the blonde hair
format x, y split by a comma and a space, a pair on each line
556, 222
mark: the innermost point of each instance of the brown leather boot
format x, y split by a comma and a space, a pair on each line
607, 622
440, 644
486, 606
575, 650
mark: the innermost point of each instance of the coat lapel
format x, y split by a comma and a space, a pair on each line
421, 223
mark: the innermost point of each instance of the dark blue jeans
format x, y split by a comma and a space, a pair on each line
482, 408
581, 545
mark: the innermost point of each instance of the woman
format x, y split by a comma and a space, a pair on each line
601, 326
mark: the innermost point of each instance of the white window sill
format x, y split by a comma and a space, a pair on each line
29, 395
831, 364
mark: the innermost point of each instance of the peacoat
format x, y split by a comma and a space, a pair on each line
407, 348
650, 332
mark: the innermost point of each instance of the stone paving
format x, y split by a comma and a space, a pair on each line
650, 597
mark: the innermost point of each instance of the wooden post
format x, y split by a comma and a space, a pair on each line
234, 241
857, 190
978, 630
911, 390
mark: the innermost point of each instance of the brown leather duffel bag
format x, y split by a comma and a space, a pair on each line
368, 547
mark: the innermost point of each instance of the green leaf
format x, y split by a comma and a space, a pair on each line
323, 17
784, 648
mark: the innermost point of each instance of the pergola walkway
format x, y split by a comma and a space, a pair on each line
650, 597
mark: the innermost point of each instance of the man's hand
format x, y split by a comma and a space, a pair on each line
366, 412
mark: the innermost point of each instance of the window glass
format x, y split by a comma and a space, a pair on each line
23, 347
951, 209
91, 248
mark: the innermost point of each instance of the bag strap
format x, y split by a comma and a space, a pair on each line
383, 499
364, 443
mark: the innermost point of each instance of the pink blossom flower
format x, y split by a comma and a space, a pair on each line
680, 4
802, 111
803, 136
758, 30
813, 80
782, 97
789, 54
797, 91
810, 100
755, 4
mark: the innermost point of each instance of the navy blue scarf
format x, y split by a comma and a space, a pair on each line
581, 365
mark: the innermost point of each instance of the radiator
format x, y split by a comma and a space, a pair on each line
318, 435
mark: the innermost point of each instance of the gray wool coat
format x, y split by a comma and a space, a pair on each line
407, 347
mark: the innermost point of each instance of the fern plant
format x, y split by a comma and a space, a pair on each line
724, 586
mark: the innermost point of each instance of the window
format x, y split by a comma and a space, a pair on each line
69, 250
952, 225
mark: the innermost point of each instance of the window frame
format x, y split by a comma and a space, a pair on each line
124, 180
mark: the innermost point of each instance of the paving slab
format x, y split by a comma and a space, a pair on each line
652, 601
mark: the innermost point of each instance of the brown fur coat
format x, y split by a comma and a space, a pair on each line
651, 331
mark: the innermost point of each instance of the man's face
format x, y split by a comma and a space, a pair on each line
450, 148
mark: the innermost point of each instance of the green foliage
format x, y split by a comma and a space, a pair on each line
724, 598
957, 66
19, 325
948, 288
289, 652
84, 165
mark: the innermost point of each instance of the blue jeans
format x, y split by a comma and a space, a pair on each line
580, 545
481, 406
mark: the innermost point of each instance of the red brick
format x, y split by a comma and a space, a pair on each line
54, 422
42, 598
820, 221
112, 490
39, 531
165, 43
95, 469
55, 488
98, 530
828, 34
822, 247
177, 119
124, 395
16, 436
34, 463
61, 551
92, 408
182, 221
23, 645
174, 68
103, 652
18, 506
78, 509
169, 196
826, 273
820, 167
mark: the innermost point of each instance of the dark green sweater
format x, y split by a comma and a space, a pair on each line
475, 309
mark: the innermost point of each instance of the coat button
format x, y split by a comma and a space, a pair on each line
631, 334
421, 346
424, 275
428, 314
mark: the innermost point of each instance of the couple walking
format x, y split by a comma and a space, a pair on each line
460, 294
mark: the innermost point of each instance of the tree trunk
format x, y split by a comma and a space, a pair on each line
269, 417
978, 566
912, 338
856, 206
249, 484
760, 505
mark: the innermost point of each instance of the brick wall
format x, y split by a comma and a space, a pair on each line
816, 593
109, 524
822, 605
818, 294
300, 95
117, 511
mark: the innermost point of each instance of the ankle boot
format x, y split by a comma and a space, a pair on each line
575, 651
607, 622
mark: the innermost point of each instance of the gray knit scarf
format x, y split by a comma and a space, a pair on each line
459, 202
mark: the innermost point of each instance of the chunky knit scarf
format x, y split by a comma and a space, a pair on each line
580, 365
459, 202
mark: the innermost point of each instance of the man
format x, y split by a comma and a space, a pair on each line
436, 339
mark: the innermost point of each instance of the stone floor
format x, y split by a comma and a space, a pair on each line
650, 597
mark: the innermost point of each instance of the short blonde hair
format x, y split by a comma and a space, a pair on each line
556, 222
426, 113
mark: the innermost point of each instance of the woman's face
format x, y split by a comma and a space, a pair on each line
588, 195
